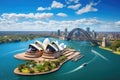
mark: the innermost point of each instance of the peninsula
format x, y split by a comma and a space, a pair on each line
44, 57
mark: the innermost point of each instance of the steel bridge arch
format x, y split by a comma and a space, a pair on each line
84, 32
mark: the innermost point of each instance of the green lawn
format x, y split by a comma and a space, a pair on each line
106, 48
116, 52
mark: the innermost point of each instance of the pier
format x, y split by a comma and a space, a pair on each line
76, 58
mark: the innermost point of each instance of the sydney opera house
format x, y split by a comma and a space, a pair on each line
46, 49
52, 51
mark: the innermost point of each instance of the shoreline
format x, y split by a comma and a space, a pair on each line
16, 71
22, 57
21, 38
108, 49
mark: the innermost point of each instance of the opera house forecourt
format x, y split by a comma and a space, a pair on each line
44, 57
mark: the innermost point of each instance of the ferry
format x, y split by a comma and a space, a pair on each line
77, 57
84, 64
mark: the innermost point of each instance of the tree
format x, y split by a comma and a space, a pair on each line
40, 67
47, 65
31, 62
57, 63
20, 67
62, 58
115, 45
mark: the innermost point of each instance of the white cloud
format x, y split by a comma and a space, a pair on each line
117, 23
42, 9
87, 8
56, 4
62, 14
43, 15
52, 25
67, 2
75, 1
71, 1
74, 7
14, 16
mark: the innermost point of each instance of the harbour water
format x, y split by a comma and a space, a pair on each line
101, 64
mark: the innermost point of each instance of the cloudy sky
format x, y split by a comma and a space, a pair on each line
51, 15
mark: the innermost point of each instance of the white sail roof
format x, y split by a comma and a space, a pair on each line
63, 45
45, 43
35, 46
39, 44
57, 45
56, 42
53, 46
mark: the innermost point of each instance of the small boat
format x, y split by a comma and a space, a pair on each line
84, 64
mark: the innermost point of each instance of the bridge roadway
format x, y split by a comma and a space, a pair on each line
84, 32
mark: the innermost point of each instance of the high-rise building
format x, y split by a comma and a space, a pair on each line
93, 34
66, 32
88, 29
58, 33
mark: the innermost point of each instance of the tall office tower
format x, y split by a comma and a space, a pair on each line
88, 29
66, 32
58, 33
93, 34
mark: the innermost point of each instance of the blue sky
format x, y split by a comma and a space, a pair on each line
51, 15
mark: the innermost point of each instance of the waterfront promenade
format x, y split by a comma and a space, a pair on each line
105, 48
69, 53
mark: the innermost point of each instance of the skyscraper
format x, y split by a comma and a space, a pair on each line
66, 32
93, 34
88, 29
58, 33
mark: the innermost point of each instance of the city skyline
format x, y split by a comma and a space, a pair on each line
51, 15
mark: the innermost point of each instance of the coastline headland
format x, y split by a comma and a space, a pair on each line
108, 49
68, 53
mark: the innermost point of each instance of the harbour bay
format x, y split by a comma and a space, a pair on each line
97, 68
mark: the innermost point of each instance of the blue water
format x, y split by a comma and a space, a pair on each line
102, 64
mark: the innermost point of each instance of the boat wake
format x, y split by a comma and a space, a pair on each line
14, 51
95, 52
82, 65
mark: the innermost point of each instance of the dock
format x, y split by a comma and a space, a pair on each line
76, 58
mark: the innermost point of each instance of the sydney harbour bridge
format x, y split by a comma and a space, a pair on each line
77, 32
